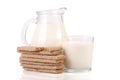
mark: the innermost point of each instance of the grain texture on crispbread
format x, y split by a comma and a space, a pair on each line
52, 49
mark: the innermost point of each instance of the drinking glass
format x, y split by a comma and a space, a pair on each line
78, 51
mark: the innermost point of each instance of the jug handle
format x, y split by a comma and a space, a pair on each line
24, 30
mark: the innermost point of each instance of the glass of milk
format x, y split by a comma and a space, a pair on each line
78, 51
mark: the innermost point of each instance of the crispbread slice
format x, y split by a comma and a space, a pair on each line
43, 52
35, 49
42, 64
29, 48
45, 70
43, 67
57, 57
41, 60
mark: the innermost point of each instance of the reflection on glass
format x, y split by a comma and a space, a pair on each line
28, 75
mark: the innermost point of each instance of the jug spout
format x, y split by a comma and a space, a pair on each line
59, 11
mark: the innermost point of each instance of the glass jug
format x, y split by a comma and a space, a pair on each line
49, 31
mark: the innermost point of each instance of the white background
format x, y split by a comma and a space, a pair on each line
99, 18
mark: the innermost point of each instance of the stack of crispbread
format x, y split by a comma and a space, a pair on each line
42, 59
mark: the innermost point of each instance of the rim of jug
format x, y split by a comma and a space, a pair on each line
59, 11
